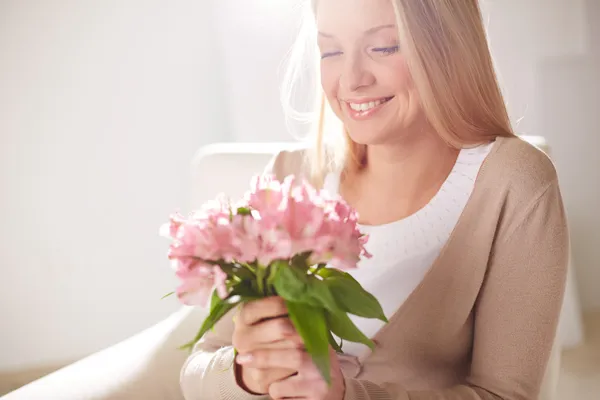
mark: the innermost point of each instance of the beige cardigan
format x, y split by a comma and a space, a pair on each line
482, 322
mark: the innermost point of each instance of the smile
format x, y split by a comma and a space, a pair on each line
365, 109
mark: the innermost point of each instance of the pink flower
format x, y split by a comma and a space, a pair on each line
266, 197
339, 241
220, 282
208, 235
199, 282
246, 230
284, 219
199, 239
185, 263
260, 242
170, 229
275, 244
302, 217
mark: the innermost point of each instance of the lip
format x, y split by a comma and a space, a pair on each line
362, 100
363, 115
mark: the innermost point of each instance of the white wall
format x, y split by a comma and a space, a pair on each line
521, 33
102, 106
257, 34
568, 95
103, 103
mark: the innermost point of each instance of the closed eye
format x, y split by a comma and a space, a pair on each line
386, 50
330, 54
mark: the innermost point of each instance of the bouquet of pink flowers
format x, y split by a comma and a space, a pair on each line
283, 239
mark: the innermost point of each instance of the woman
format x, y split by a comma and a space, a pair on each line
466, 223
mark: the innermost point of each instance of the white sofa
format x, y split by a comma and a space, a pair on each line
147, 366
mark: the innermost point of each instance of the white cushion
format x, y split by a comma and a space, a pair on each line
145, 366
228, 167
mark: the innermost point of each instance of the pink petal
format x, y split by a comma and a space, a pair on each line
194, 293
220, 279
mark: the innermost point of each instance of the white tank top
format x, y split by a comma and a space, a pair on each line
404, 250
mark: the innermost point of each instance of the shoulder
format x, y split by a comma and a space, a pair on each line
517, 181
518, 167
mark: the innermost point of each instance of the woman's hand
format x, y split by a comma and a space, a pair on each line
263, 337
272, 359
308, 383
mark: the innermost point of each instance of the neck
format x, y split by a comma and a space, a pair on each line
421, 160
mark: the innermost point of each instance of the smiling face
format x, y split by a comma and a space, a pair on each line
363, 72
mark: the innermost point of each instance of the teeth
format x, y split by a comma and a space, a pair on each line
365, 106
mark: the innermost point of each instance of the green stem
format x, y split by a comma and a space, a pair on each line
249, 267
260, 277
271, 275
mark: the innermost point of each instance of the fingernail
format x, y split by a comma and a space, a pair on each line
244, 358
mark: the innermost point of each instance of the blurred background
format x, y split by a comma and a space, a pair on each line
103, 105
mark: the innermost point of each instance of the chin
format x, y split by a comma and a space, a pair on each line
372, 132
365, 136
381, 132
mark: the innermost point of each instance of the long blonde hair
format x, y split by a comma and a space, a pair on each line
447, 52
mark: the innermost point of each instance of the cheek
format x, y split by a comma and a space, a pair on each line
399, 80
397, 76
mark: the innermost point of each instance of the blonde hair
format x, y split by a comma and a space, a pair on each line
447, 53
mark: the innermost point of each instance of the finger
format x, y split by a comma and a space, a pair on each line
308, 370
258, 310
293, 342
263, 378
298, 387
249, 338
293, 359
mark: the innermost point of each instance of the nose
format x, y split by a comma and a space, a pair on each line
355, 74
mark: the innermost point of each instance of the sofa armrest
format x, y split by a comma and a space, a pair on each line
145, 366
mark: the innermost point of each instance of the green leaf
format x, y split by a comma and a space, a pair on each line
350, 295
273, 273
334, 344
293, 284
167, 295
310, 323
236, 270
321, 294
245, 290
290, 283
270, 280
301, 260
332, 272
343, 327
214, 300
218, 310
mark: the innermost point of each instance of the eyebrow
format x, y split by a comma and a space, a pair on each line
367, 32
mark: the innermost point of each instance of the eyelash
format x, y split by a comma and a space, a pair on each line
384, 50
326, 55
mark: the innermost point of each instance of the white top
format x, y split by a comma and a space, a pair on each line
404, 250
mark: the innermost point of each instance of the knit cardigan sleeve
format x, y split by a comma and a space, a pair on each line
516, 313
208, 373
